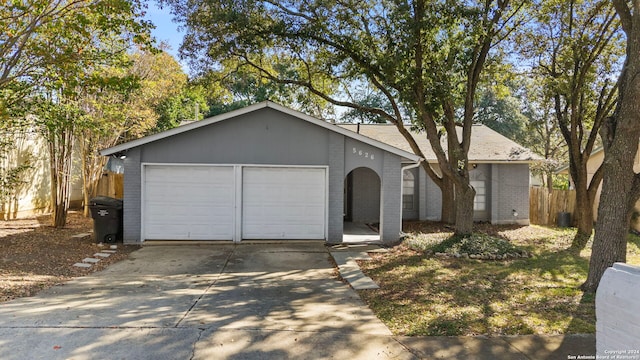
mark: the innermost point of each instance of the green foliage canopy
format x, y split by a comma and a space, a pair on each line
423, 55
41, 37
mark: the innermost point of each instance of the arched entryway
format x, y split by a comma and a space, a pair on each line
361, 205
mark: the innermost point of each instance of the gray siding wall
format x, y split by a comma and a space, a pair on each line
510, 191
507, 190
431, 209
272, 138
132, 196
244, 140
422, 193
366, 196
359, 154
336, 188
391, 201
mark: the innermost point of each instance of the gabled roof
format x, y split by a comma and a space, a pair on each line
487, 146
255, 107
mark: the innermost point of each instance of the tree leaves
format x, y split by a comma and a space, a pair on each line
422, 56
53, 51
38, 35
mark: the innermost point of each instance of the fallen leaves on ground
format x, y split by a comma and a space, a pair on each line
422, 294
35, 256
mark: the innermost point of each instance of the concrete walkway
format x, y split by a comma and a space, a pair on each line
359, 233
229, 302
346, 256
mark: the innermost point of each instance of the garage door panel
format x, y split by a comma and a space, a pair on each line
190, 218
189, 202
199, 202
195, 194
283, 203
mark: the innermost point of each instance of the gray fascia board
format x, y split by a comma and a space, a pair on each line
252, 108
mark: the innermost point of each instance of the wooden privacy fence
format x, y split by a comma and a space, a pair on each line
111, 184
544, 205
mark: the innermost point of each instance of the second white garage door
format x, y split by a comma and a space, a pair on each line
283, 203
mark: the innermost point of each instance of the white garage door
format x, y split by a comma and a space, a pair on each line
188, 202
283, 203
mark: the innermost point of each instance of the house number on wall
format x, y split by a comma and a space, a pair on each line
363, 154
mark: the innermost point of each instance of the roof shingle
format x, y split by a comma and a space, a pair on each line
486, 145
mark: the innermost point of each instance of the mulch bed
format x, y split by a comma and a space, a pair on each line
439, 227
35, 256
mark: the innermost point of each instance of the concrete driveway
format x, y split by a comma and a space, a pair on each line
259, 301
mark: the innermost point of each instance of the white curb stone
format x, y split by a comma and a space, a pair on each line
90, 260
82, 265
102, 255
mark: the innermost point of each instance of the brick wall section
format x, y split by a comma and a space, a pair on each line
618, 312
132, 195
510, 191
366, 196
391, 201
336, 188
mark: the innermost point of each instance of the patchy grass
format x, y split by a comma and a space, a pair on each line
421, 294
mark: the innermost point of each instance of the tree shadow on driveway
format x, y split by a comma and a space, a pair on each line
223, 302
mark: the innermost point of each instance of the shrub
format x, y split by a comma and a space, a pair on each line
477, 243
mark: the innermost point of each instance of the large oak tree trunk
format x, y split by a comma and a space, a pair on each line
448, 207
620, 135
583, 215
464, 209
614, 212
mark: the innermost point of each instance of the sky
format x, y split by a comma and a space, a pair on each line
166, 30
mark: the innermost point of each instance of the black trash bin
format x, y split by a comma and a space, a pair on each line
564, 219
107, 219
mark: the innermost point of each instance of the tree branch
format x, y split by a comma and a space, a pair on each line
626, 19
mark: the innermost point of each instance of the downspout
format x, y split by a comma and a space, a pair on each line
412, 166
408, 167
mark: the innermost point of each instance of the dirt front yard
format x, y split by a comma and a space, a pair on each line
35, 256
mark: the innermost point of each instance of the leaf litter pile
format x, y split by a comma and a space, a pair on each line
35, 256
